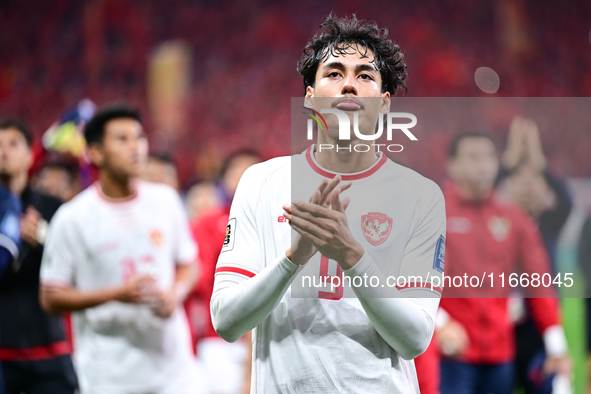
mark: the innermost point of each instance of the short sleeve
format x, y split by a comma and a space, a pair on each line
186, 250
61, 252
424, 254
241, 252
9, 224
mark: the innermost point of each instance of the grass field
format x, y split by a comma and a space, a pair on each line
574, 325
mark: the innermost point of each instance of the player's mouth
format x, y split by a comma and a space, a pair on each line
348, 105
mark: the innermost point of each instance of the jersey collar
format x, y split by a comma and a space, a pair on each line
345, 177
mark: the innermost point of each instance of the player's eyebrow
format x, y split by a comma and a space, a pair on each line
341, 66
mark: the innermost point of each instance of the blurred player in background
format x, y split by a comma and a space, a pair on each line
476, 335
530, 184
227, 365
9, 239
325, 343
161, 169
34, 350
201, 198
121, 256
59, 179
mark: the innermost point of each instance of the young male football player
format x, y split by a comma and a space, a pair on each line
337, 339
120, 255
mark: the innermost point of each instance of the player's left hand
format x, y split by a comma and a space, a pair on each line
328, 230
164, 304
559, 365
29, 224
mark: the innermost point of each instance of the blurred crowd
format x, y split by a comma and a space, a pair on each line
54, 53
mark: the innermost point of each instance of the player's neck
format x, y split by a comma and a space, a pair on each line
342, 157
16, 183
114, 188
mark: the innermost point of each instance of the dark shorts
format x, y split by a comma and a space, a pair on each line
464, 378
55, 376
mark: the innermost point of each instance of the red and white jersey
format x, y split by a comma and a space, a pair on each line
95, 243
318, 340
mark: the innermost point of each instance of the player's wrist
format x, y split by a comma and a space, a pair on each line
116, 294
351, 256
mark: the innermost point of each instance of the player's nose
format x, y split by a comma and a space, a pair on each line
349, 86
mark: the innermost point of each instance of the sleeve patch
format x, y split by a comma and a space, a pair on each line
230, 236
439, 259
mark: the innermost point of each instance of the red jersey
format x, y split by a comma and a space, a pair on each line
209, 232
492, 236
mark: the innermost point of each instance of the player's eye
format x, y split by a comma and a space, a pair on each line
334, 74
366, 77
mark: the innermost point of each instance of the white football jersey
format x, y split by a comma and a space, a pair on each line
95, 243
320, 340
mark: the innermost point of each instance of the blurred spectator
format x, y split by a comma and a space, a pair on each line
58, 179
475, 336
531, 185
34, 350
160, 168
226, 364
201, 198
9, 239
584, 260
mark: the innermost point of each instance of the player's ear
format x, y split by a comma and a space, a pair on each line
29, 158
96, 154
309, 93
386, 103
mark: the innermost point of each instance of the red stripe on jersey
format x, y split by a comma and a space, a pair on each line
420, 285
56, 349
344, 177
235, 271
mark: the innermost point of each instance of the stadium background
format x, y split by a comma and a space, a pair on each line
213, 77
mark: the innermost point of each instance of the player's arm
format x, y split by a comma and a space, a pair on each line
544, 304
9, 229
58, 297
240, 303
404, 320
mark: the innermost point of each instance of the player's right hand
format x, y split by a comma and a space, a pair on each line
302, 250
452, 339
140, 290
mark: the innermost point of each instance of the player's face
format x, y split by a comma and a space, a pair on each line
476, 165
351, 83
160, 172
15, 154
121, 150
56, 182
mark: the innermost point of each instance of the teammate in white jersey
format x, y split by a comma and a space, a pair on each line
121, 257
390, 222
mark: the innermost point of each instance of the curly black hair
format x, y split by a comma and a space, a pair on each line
338, 35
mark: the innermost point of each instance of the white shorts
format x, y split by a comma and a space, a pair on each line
224, 364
